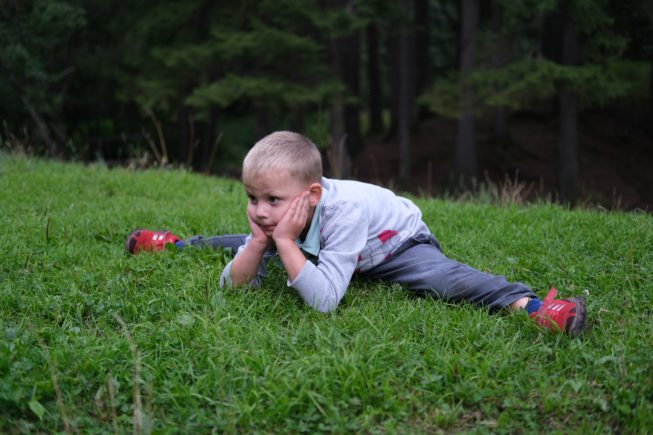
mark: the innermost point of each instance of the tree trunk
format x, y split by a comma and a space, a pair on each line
298, 120
346, 52
262, 123
393, 78
406, 99
568, 146
338, 158
186, 134
650, 85
423, 70
499, 61
52, 146
203, 152
568, 151
350, 73
466, 161
374, 79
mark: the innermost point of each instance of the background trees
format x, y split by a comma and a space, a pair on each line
196, 82
36, 67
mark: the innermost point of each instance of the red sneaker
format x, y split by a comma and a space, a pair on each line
560, 315
146, 240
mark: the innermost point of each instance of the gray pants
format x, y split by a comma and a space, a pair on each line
229, 242
420, 265
422, 268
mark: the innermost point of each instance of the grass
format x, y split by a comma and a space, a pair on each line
92, 340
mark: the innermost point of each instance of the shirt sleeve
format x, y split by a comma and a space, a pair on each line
345, 230
225, 276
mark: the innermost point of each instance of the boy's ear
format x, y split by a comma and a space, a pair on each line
315, 193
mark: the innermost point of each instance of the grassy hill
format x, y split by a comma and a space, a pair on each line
93, 340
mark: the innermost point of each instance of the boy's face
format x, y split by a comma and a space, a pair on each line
270, 195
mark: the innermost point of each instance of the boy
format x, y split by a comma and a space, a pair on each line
324, 231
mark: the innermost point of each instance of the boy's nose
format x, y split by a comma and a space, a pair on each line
261, 212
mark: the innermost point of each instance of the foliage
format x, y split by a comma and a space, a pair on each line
523, 84
192, 357
35, 62
96, 76
250, 53
526, 75
34, 35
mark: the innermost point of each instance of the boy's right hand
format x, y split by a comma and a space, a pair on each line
259, 238
245, 265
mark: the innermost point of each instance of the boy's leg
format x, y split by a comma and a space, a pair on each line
227, 242
148, 240
424, 269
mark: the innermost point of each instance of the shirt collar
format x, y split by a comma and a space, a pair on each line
311, 243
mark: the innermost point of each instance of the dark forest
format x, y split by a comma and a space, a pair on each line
553, 98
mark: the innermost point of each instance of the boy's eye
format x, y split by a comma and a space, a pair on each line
251, 199
273, 200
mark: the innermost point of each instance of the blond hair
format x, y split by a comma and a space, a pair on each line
284, 151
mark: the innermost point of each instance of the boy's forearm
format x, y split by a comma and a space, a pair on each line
291, 257
245, 265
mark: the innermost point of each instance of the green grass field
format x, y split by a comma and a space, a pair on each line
93, 340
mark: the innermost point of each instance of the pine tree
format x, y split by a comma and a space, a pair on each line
36, 64
592, 71
197, 59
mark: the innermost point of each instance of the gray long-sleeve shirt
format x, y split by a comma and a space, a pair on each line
356, 226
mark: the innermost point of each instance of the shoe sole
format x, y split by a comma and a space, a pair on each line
130, 243
579, 323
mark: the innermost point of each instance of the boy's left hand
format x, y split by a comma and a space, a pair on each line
293, 222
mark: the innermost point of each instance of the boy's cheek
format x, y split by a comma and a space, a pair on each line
250, 213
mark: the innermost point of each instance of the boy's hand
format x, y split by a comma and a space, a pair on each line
293, 222
246, 263
259, 237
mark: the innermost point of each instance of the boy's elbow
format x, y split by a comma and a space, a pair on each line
326, 309
326, 305
320, 294
225, 281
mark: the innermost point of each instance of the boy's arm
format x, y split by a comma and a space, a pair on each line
286, 233
245, 266
225, 276
345, 236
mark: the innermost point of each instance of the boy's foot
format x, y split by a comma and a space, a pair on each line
146, 240
560, 315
